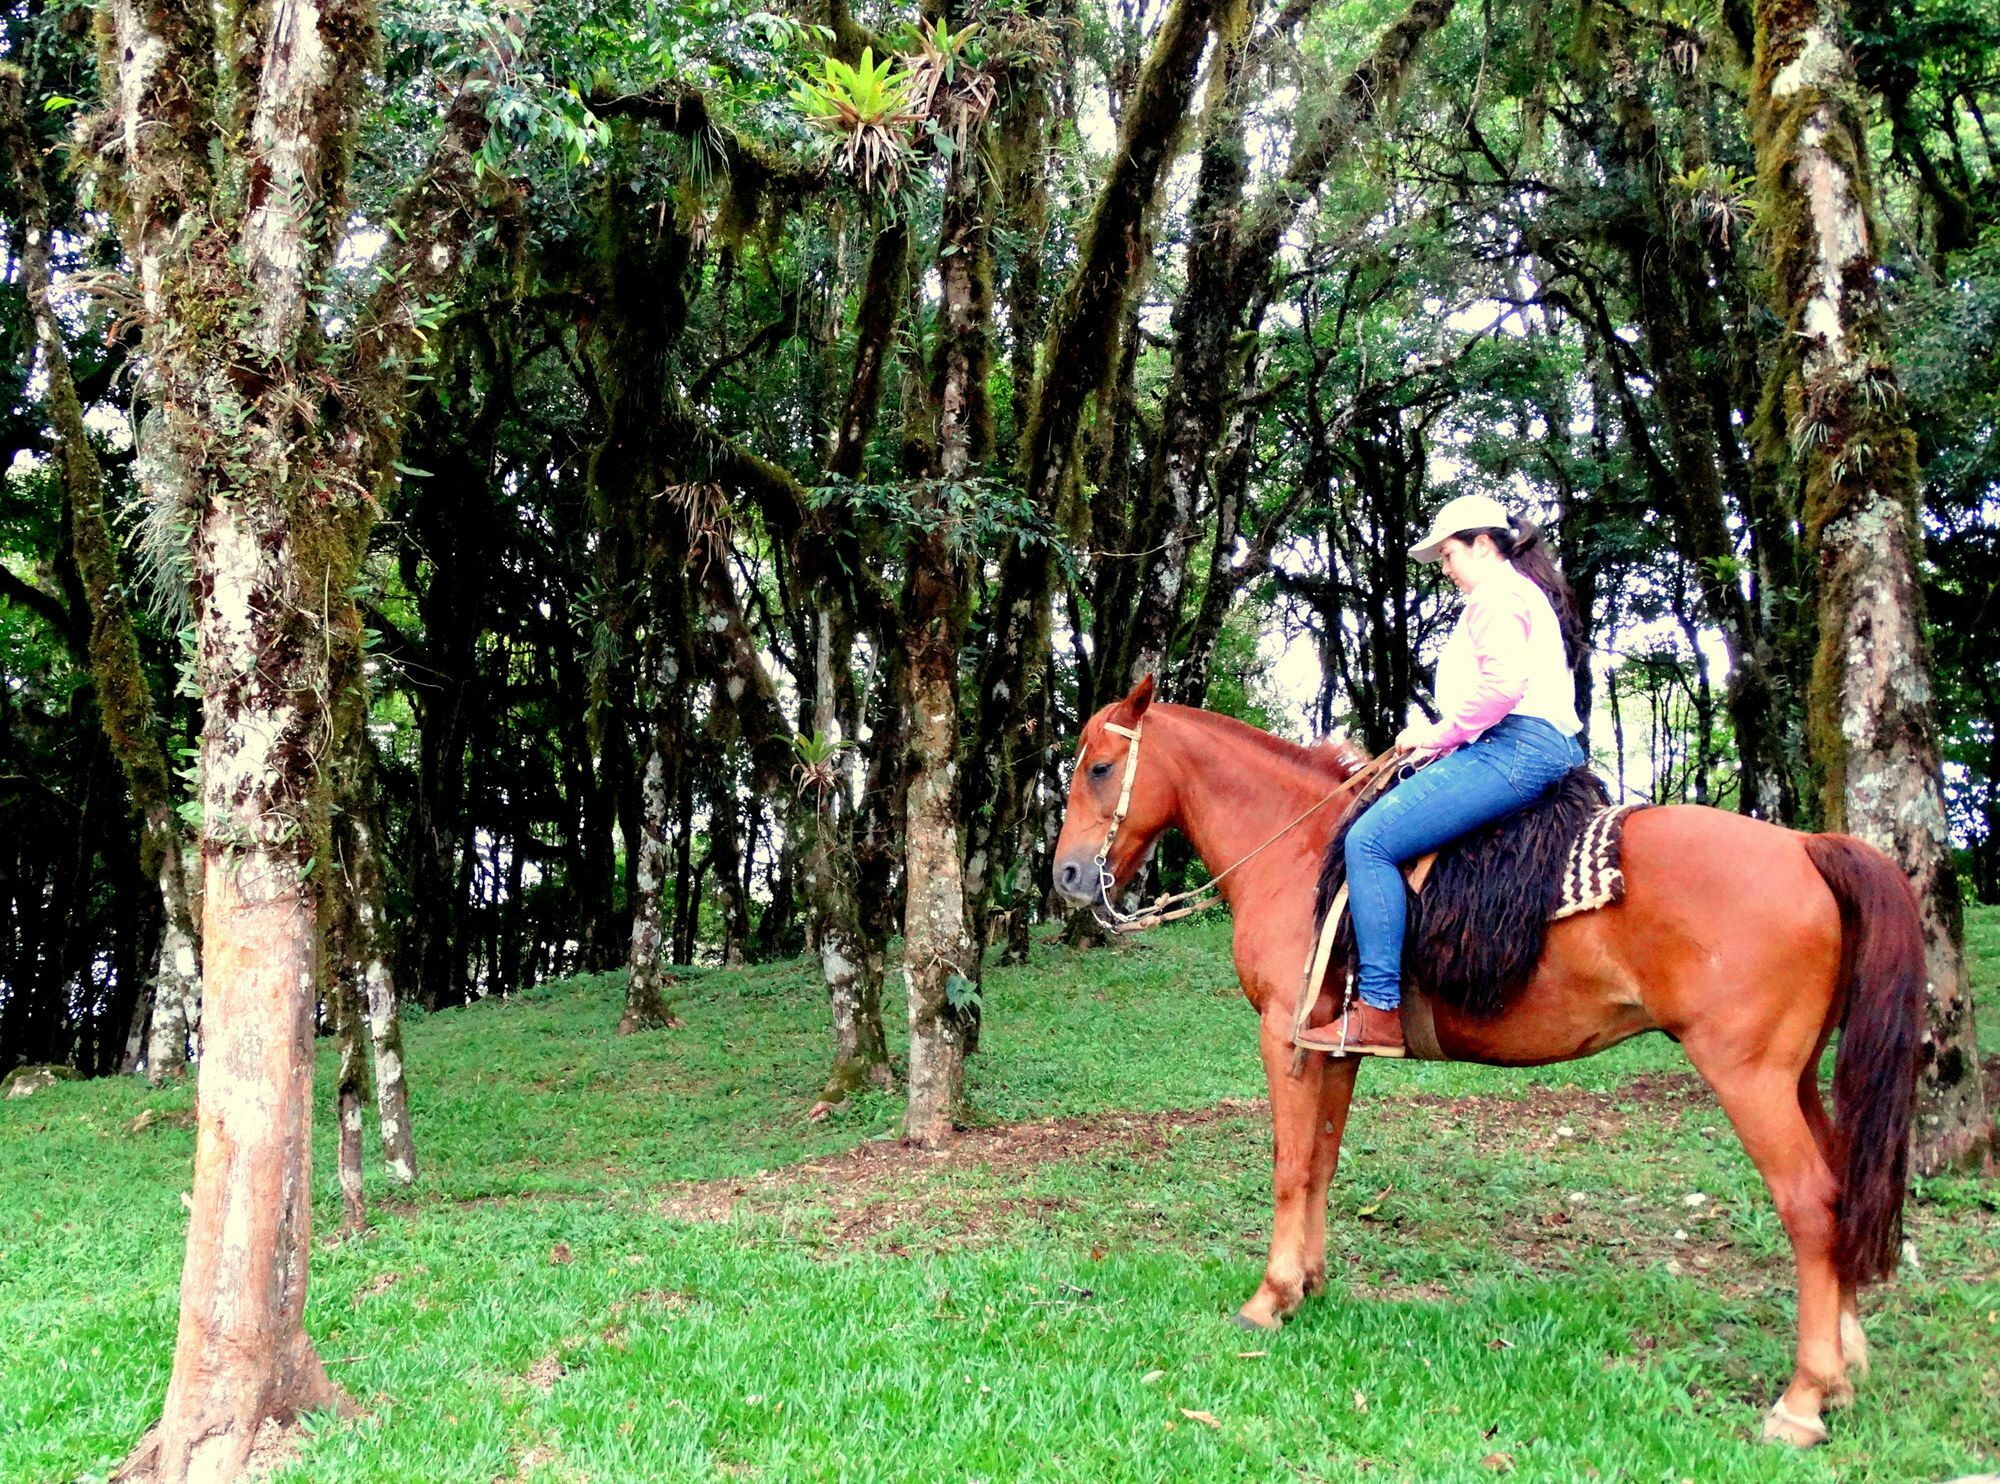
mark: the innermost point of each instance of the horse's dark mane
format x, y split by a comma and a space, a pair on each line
1330, 759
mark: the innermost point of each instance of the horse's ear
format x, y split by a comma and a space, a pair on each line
1138, 701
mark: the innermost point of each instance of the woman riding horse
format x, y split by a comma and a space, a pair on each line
1508, 730
1750, 944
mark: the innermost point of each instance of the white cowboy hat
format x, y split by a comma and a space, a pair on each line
1456, 517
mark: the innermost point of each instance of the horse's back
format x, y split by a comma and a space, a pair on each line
1726, 927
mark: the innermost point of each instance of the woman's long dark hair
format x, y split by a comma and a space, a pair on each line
1527, 548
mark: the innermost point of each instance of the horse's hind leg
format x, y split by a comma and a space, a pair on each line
1336, 1091
1763, 1104
1853, 1343
1294, 1119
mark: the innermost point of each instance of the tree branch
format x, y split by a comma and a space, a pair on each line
682, 110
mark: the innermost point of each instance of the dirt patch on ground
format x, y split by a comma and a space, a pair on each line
1543, 1119
871, 1191
887, 1193
868, 1188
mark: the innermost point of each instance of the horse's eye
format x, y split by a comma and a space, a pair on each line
1099, 771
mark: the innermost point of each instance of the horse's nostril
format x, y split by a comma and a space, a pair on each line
1069, 876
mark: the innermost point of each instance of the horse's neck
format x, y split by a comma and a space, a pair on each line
1234, 795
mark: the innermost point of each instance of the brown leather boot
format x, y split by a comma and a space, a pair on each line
1362, 1031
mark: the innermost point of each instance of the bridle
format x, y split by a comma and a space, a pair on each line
1171, 905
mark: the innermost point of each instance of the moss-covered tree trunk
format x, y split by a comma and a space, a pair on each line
940, 953
881, 296
825, 828
1204, 324
1078, 357
367, 946
124, 697
350, 1086
1871, 724
231, 199
663, 684
645, 1005
725, 845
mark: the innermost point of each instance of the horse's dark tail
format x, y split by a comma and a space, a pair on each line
1875, 1070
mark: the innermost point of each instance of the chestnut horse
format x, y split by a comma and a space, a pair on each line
1746, 942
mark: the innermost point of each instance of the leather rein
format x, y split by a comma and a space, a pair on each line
1169, 906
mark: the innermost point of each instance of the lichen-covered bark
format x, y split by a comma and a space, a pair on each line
937, 947
173, 1032
1871, 723
231, 201
849, 962
645, 1006
939, 951
725, 845
124, 697
663, 671
362, 964
851, 967
350, 1087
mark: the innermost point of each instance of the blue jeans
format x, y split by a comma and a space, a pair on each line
1513, 763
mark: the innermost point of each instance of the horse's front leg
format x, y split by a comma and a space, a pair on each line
1336, 1091
1295, 1107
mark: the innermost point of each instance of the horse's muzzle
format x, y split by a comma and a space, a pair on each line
1076, 882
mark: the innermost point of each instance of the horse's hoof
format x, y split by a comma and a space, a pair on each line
1781, 1425
1243, 1321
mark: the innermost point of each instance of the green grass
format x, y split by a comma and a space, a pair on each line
1523, 1272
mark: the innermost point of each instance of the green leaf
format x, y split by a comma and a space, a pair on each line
960, 992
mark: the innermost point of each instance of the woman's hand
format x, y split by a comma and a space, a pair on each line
1420, 736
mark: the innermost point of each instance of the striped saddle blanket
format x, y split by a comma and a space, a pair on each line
1593, 876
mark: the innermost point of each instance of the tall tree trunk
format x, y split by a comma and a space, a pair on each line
1873, 733
815, 827
124, 698
829, 556
1079, 355
663, 670
881, 296
281, 481
368, 941
852, 972
175, 1027
940, 958
645, 1007
725, 839
1204, 322
351, 1079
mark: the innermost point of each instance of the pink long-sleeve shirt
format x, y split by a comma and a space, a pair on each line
1505, 658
